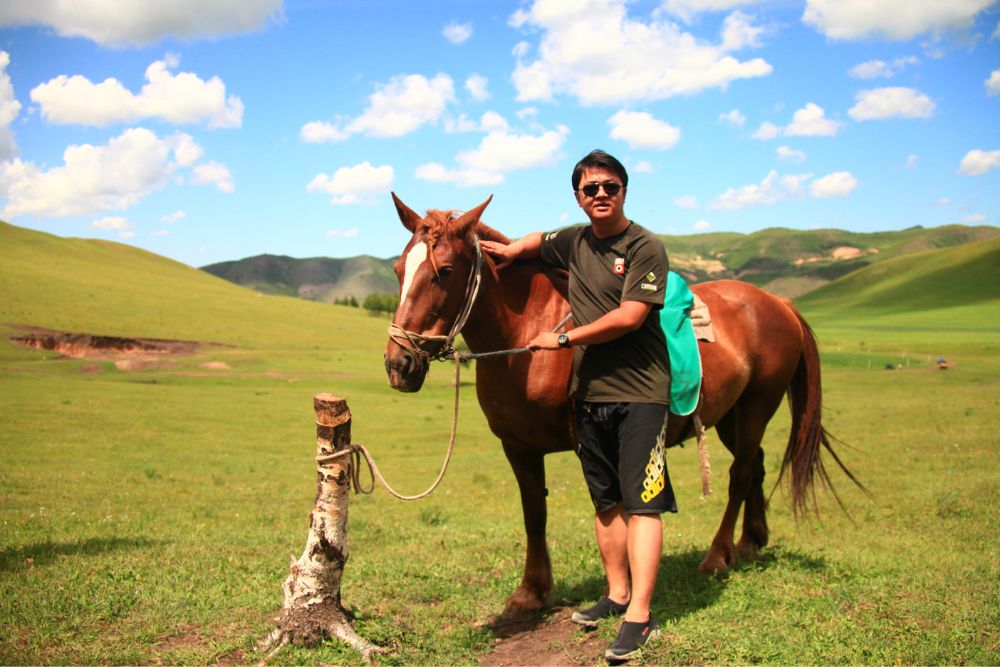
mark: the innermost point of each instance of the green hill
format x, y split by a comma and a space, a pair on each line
317, 278
102, 287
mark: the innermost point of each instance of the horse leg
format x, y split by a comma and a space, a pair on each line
755, 531
721, 554
536, 584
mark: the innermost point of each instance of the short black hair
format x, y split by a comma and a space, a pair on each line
599, 159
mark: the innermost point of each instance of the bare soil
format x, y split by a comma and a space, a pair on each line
551, 640
129, 354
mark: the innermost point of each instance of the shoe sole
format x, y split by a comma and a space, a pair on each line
579, 619
615, 659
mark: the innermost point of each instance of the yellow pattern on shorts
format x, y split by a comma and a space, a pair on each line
655, 480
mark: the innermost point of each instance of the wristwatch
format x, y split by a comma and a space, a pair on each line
563, 340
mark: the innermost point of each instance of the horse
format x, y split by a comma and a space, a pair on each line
763, 350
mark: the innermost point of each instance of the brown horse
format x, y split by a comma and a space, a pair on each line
763, 350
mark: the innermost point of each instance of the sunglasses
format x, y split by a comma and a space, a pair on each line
610, 188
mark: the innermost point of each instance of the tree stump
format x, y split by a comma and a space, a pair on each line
312, 609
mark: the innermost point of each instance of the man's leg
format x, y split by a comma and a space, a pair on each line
645, 543
612, 530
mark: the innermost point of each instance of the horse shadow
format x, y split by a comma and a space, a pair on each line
45, 552
681, 590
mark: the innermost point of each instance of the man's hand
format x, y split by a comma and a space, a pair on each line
544, 341
500, 252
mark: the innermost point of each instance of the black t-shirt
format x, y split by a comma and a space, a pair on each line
603, 273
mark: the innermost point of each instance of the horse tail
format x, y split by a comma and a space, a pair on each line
808, 437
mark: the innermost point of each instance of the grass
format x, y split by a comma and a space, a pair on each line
148, 517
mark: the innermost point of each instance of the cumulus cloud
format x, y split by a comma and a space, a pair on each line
992, 84
343, 233
110, 223
397, 108
978, 162
592, 50
176, 216
687, 201
457, 33
911, 160
733, 118
809, 121
9, 109
641, 130
175, 98
141, 23
213, 173
702, 225
499, 152
477, 86
893, 19
837, 184
92, 178
892, 102
873, 69
787, 154
643, 167
687, 10
974, 218
354, 185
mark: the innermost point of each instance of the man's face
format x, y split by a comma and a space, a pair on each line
601, 207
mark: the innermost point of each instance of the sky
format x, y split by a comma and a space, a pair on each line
213, 130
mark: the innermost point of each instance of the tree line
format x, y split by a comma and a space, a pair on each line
375, 304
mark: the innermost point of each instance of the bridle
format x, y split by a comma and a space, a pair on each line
429, 348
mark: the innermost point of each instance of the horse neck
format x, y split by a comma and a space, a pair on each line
491, 325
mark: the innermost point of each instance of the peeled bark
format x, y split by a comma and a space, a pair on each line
312, 610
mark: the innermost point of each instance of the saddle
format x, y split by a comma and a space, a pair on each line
685, 320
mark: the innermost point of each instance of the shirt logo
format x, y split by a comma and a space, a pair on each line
648, 287
620, 265
650, 276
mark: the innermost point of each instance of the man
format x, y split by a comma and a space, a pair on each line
617, 278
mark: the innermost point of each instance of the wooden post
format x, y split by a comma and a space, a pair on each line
312, 610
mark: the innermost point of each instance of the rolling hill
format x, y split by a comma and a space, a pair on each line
784, 261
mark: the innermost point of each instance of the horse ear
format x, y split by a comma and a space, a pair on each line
409, 219
470, 218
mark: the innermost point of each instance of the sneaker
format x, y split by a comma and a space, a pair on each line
630, 640
606, 608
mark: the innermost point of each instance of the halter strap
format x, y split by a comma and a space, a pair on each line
419, 344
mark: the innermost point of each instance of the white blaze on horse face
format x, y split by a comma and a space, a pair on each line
414, 259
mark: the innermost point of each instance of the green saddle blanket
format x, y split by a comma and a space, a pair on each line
682, 346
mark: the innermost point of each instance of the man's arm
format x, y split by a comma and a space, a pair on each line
526, 247
624, 319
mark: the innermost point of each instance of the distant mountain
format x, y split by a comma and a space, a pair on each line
784, 261
317, 279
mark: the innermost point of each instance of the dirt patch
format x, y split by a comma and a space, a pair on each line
215, 365
555, 640
129, 354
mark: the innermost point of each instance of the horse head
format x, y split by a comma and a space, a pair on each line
436, 273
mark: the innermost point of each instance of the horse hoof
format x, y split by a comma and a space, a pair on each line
714, 565
521, 605
747, 550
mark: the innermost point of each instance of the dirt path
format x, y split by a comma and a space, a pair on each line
553, 640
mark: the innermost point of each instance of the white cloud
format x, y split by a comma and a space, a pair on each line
178, 99
996, 32
787, 154
893, 19
160, 233
213, 173
592, 50
837, 184
110, 223
9, 109
892, 102
457, 33
489, 122
809, 121
687, 201
993, 83
978, 162
140, 23
354, 185
771, 190
92, 178
687, 10
733, 118
176, 216
911, 161
186, 151
499, 152
397, 108
343, 233
873, 69
702, 225
974, 218
943, 201
640, 130
643, 167
477, 86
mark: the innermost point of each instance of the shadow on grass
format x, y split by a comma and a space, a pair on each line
43, 553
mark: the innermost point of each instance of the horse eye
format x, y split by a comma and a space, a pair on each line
445, 271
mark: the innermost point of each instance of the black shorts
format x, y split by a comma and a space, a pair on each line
623, 454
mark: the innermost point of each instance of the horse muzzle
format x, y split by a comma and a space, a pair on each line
405, 370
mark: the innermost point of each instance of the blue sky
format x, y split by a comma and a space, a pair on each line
210, 130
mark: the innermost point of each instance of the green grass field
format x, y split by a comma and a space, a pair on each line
148, 517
